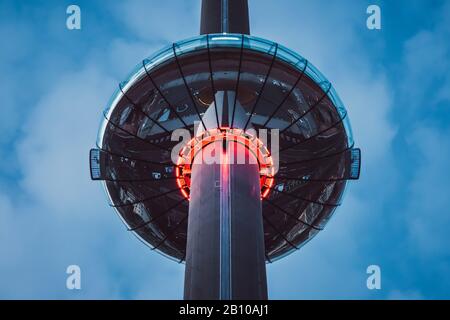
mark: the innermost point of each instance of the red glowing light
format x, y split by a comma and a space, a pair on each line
195, 146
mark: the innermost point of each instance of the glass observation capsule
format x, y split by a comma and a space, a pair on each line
277, 89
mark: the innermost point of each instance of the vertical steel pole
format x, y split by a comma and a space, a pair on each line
225, 247
224, 16
225, 255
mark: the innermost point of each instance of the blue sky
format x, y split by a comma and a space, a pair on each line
394, 82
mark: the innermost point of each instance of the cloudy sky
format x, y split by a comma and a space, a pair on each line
55, 82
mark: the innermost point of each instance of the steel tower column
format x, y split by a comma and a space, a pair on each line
225, 255
224, 16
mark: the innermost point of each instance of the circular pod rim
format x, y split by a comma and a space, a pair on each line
271, 88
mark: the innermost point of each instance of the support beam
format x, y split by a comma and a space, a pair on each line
225, 256
224, 16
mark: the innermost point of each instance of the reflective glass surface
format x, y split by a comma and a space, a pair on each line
277, 88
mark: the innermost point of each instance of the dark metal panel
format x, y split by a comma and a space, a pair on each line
247, 235
219, 16
202, 273
211, 16
202, 251
229, 204
226, 215
238, 17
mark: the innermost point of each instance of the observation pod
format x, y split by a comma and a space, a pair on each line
223, 88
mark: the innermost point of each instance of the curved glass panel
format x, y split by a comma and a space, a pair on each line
224, 40
189, 45
275, 87
259, 44
234, 40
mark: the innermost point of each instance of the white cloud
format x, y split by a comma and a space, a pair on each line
57, 135
160, 21
426, 63
428, 209
19, 37
426, 90
61, 217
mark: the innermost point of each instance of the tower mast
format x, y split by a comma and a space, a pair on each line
225, 254
224, 16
